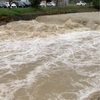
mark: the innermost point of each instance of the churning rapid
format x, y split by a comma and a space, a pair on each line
40, 61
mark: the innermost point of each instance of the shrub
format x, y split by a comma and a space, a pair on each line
35, 3
96, 4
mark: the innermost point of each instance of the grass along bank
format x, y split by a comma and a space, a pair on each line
46, 10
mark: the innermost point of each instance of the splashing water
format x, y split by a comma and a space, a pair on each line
60, 67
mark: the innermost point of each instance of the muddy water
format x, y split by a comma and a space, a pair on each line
49, 62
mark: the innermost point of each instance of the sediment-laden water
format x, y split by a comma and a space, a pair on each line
49, 62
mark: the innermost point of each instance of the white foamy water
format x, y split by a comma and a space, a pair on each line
61, 67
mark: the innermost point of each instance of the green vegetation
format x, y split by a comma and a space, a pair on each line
45, 10
89, 2
68, 9
35, 3
15, 11
96, 4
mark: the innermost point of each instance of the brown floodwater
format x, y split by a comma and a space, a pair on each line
49, 62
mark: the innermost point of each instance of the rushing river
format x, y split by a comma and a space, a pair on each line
57, 67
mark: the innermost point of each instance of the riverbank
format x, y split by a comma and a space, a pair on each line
8, 15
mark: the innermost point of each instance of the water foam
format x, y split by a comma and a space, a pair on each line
22, 30
78, 52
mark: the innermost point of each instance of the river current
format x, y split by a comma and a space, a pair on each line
39, 63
